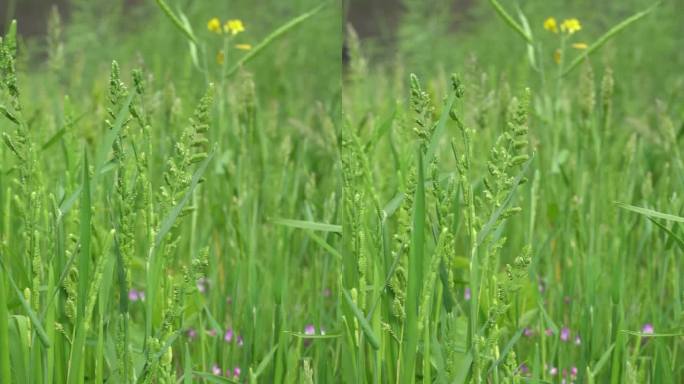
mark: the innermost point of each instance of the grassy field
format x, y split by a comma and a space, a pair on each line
196, 191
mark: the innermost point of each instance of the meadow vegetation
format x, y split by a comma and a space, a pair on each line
193, 191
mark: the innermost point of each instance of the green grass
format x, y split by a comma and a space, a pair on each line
165, 214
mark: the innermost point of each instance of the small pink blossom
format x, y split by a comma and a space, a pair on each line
240, 341
309, 330
236, 372
211, 332
553, 371
135, 295
467, 294
648, 329
573, 372
528, 332
191, 333
215, 369
228, 336
565, 334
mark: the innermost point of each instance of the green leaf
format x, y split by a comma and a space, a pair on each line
5, 376
415, 277
213, 378
510, 21
27, 307
174, 19
272, 37
602, 361
266, 360
496, 214
310, 225
677, 239
650, 212
606, 36
365, 326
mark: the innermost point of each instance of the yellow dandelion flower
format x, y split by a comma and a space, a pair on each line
234, 26
214, 25
551, 25
580, 46
220, 58
557, 56
243, 47
570, 26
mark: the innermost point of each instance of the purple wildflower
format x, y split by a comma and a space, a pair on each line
215, 369
528, 332
565, 334
236, 372
647, 329
240, 341
573, 372
228, 336
466, 293
191, 333
134, 295
211, 332
309, 330
524, 369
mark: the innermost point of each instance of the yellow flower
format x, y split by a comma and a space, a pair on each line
243, 47
570, 26
557, 56
220, 57
550, 25
580, 46
214, 25
233, 26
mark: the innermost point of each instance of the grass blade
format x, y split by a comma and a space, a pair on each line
310, 225
27, 307
415, 277
496, 214
174, 19
650, 212
272, 37
365, 326
5, 376
677, 239
510, 21
77, 352
606, 36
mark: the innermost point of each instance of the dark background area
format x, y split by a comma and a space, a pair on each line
34, 13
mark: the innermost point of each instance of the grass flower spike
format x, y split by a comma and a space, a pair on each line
233, 26
580, 45
214, 25
551, 25
243, 47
